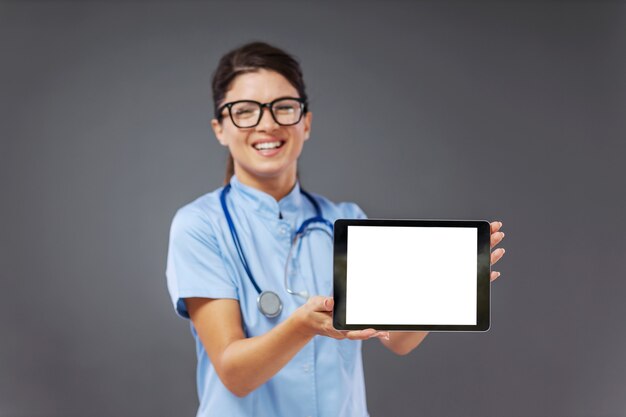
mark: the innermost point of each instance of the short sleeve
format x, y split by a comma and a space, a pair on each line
358, 212
195, 266
351, 211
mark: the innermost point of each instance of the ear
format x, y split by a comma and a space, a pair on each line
308, 117
218, 129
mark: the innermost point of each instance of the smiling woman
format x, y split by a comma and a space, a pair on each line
263, 348
265, 140
249, 59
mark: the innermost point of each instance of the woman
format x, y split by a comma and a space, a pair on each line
265, 347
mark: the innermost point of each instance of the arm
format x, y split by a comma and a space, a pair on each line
402, 343
243, 364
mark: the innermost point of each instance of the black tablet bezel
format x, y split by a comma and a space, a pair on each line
483, 271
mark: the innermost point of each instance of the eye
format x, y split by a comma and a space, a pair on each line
241, 112
245, 110
286, 107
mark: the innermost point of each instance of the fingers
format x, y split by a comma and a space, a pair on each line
366, 334
496, 235
495, 226
360, 334
496, 255
496, 238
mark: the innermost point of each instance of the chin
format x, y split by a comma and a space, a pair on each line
269, 172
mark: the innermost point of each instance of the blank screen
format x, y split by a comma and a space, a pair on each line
411, 275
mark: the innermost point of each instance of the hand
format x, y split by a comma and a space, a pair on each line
496, 237
316, 319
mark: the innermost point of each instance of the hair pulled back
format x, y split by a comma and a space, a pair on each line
249, 58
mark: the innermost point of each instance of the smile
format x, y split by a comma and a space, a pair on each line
268, 145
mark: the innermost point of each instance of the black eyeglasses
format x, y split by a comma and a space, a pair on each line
285, 111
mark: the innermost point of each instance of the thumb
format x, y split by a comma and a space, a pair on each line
322, 303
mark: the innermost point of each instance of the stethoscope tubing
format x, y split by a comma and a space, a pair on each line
269, 295
233, 232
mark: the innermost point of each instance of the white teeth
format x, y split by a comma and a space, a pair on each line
267, 145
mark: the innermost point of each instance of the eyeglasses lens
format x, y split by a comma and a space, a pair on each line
287, 112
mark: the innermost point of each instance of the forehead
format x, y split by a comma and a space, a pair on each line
261, 85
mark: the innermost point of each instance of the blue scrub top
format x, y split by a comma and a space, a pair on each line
325, 378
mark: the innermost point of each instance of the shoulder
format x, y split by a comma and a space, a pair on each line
198, 216
340, 210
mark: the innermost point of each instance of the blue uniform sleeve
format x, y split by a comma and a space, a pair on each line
351, 211
195, 266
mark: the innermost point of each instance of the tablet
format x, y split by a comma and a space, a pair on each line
411, 275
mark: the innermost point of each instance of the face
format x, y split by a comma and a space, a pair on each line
268, 151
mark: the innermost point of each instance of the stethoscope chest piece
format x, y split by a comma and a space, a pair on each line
269, 304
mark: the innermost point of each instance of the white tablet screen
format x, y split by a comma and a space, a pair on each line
411, 275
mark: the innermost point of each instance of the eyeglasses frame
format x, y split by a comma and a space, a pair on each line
229, 105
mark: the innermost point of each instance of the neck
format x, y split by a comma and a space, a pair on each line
277, 187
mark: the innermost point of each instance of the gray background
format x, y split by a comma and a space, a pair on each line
495, 110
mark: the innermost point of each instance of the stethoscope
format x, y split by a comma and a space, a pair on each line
268, 302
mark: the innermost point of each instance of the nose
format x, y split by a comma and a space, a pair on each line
267, 121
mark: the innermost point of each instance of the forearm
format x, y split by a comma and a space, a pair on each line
248, 363
401, 343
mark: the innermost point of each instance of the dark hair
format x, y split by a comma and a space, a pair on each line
249, 58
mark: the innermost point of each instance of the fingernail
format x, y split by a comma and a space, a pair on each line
503, 251
500, 224
498, 274
502, 234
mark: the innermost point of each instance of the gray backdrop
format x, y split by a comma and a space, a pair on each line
511, 111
